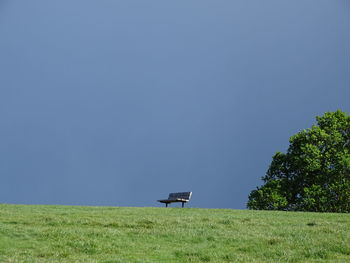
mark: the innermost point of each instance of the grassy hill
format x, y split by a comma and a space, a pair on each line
120, 234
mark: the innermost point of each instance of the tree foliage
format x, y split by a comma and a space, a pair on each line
314, 174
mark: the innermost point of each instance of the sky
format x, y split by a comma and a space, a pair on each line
119, 103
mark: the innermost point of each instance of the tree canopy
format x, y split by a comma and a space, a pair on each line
314, 174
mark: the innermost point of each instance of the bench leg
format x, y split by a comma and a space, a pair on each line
183, 203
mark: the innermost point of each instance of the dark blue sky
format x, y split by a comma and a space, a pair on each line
121, 102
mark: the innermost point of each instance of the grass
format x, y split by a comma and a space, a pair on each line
121, 234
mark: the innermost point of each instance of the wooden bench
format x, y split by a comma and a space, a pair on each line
182, 197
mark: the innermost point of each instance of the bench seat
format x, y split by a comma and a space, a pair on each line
173, 200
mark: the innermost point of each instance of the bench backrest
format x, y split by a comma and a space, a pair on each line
182, 195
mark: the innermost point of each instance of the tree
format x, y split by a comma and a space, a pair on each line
314, 174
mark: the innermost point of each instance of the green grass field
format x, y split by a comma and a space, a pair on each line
122, 234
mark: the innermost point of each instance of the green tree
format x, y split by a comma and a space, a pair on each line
314, 174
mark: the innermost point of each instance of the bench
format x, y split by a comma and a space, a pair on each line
182, 197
